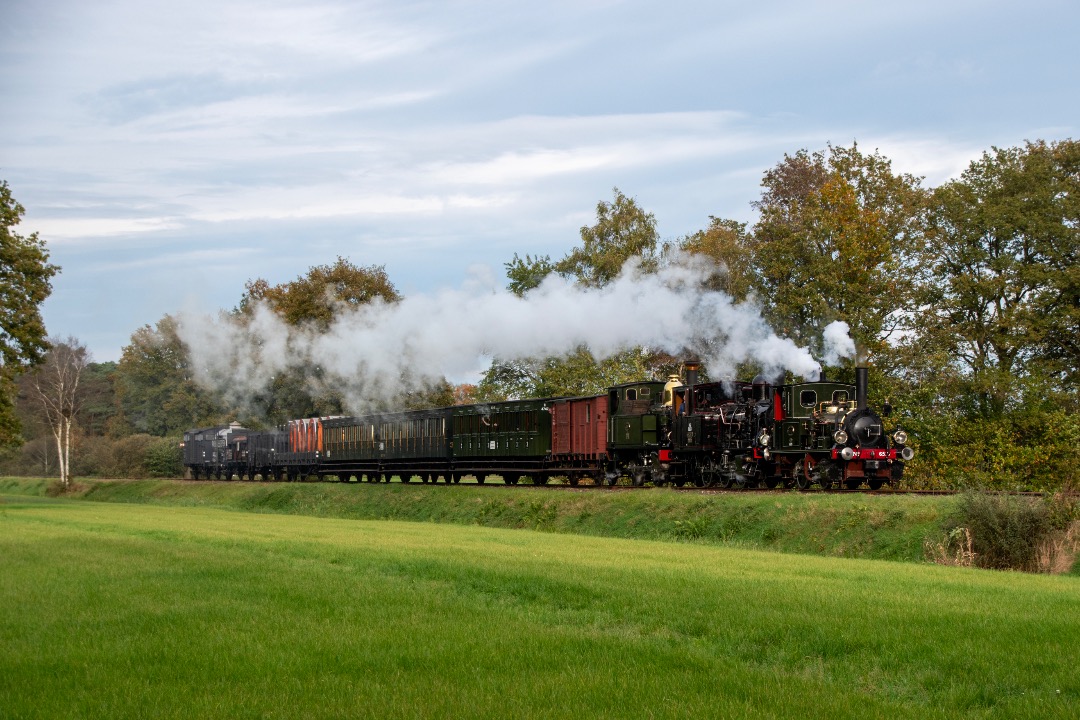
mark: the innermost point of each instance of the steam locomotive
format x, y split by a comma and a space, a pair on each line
731, 434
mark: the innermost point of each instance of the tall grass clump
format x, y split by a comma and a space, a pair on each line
1010, 532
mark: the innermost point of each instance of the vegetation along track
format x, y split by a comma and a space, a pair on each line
556, 487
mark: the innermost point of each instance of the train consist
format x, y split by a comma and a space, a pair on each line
717, 434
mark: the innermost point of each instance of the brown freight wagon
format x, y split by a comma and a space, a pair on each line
579, 437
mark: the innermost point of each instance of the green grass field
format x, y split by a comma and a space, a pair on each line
883, 527
119, 610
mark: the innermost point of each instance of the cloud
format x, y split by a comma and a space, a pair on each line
65, 230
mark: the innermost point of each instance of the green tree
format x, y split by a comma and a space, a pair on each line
318, 296
101, 407
25, 282
838, 238
1005, 283
728, 244
622, 230
156, 389
578, 373
313, 300
527, 273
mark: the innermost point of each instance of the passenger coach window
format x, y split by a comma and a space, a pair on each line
808, 398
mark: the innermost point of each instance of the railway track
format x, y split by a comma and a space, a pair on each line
558, 487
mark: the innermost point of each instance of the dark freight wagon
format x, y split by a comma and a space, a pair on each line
304, 454
219, 452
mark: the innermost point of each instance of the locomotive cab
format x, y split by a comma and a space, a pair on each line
638, 425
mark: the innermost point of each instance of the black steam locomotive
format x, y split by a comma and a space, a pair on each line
732, 434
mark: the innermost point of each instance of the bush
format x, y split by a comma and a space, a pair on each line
1006, 532
162, 458
133, 456
1033, 449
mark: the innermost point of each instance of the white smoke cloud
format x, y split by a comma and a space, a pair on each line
454, 333
838, 343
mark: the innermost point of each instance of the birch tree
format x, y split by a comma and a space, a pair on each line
57, 384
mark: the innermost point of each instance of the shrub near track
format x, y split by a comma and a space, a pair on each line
128, 611
887, 527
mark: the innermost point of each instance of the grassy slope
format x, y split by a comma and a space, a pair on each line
867, 526
121, 611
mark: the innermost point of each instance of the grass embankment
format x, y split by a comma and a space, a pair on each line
125, 611
884, 527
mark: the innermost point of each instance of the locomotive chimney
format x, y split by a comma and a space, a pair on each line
862, 373
691, 372
691, 380
861, 383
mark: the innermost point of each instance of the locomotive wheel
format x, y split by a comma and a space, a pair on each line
852, 484
825, 483
772, 482
802, 482
875, 483
639, 477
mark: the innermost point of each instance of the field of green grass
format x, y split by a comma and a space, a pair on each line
883, 527
133, 611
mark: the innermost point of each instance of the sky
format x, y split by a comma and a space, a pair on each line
169, 152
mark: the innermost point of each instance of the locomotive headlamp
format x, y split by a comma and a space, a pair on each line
900, 437
907, 453
847, 453
764, 439
840, 437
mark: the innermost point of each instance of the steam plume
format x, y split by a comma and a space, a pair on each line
455, 332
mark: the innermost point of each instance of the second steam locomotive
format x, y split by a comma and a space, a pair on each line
716, 434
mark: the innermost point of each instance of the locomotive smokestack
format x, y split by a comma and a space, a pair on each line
862, 373
691, 380
691, 371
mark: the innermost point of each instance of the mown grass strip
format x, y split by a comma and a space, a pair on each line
858, 525
125, 611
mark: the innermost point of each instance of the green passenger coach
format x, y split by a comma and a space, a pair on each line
505, 437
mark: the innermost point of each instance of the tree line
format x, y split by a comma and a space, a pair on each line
964, 298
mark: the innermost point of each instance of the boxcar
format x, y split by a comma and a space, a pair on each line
579, 429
